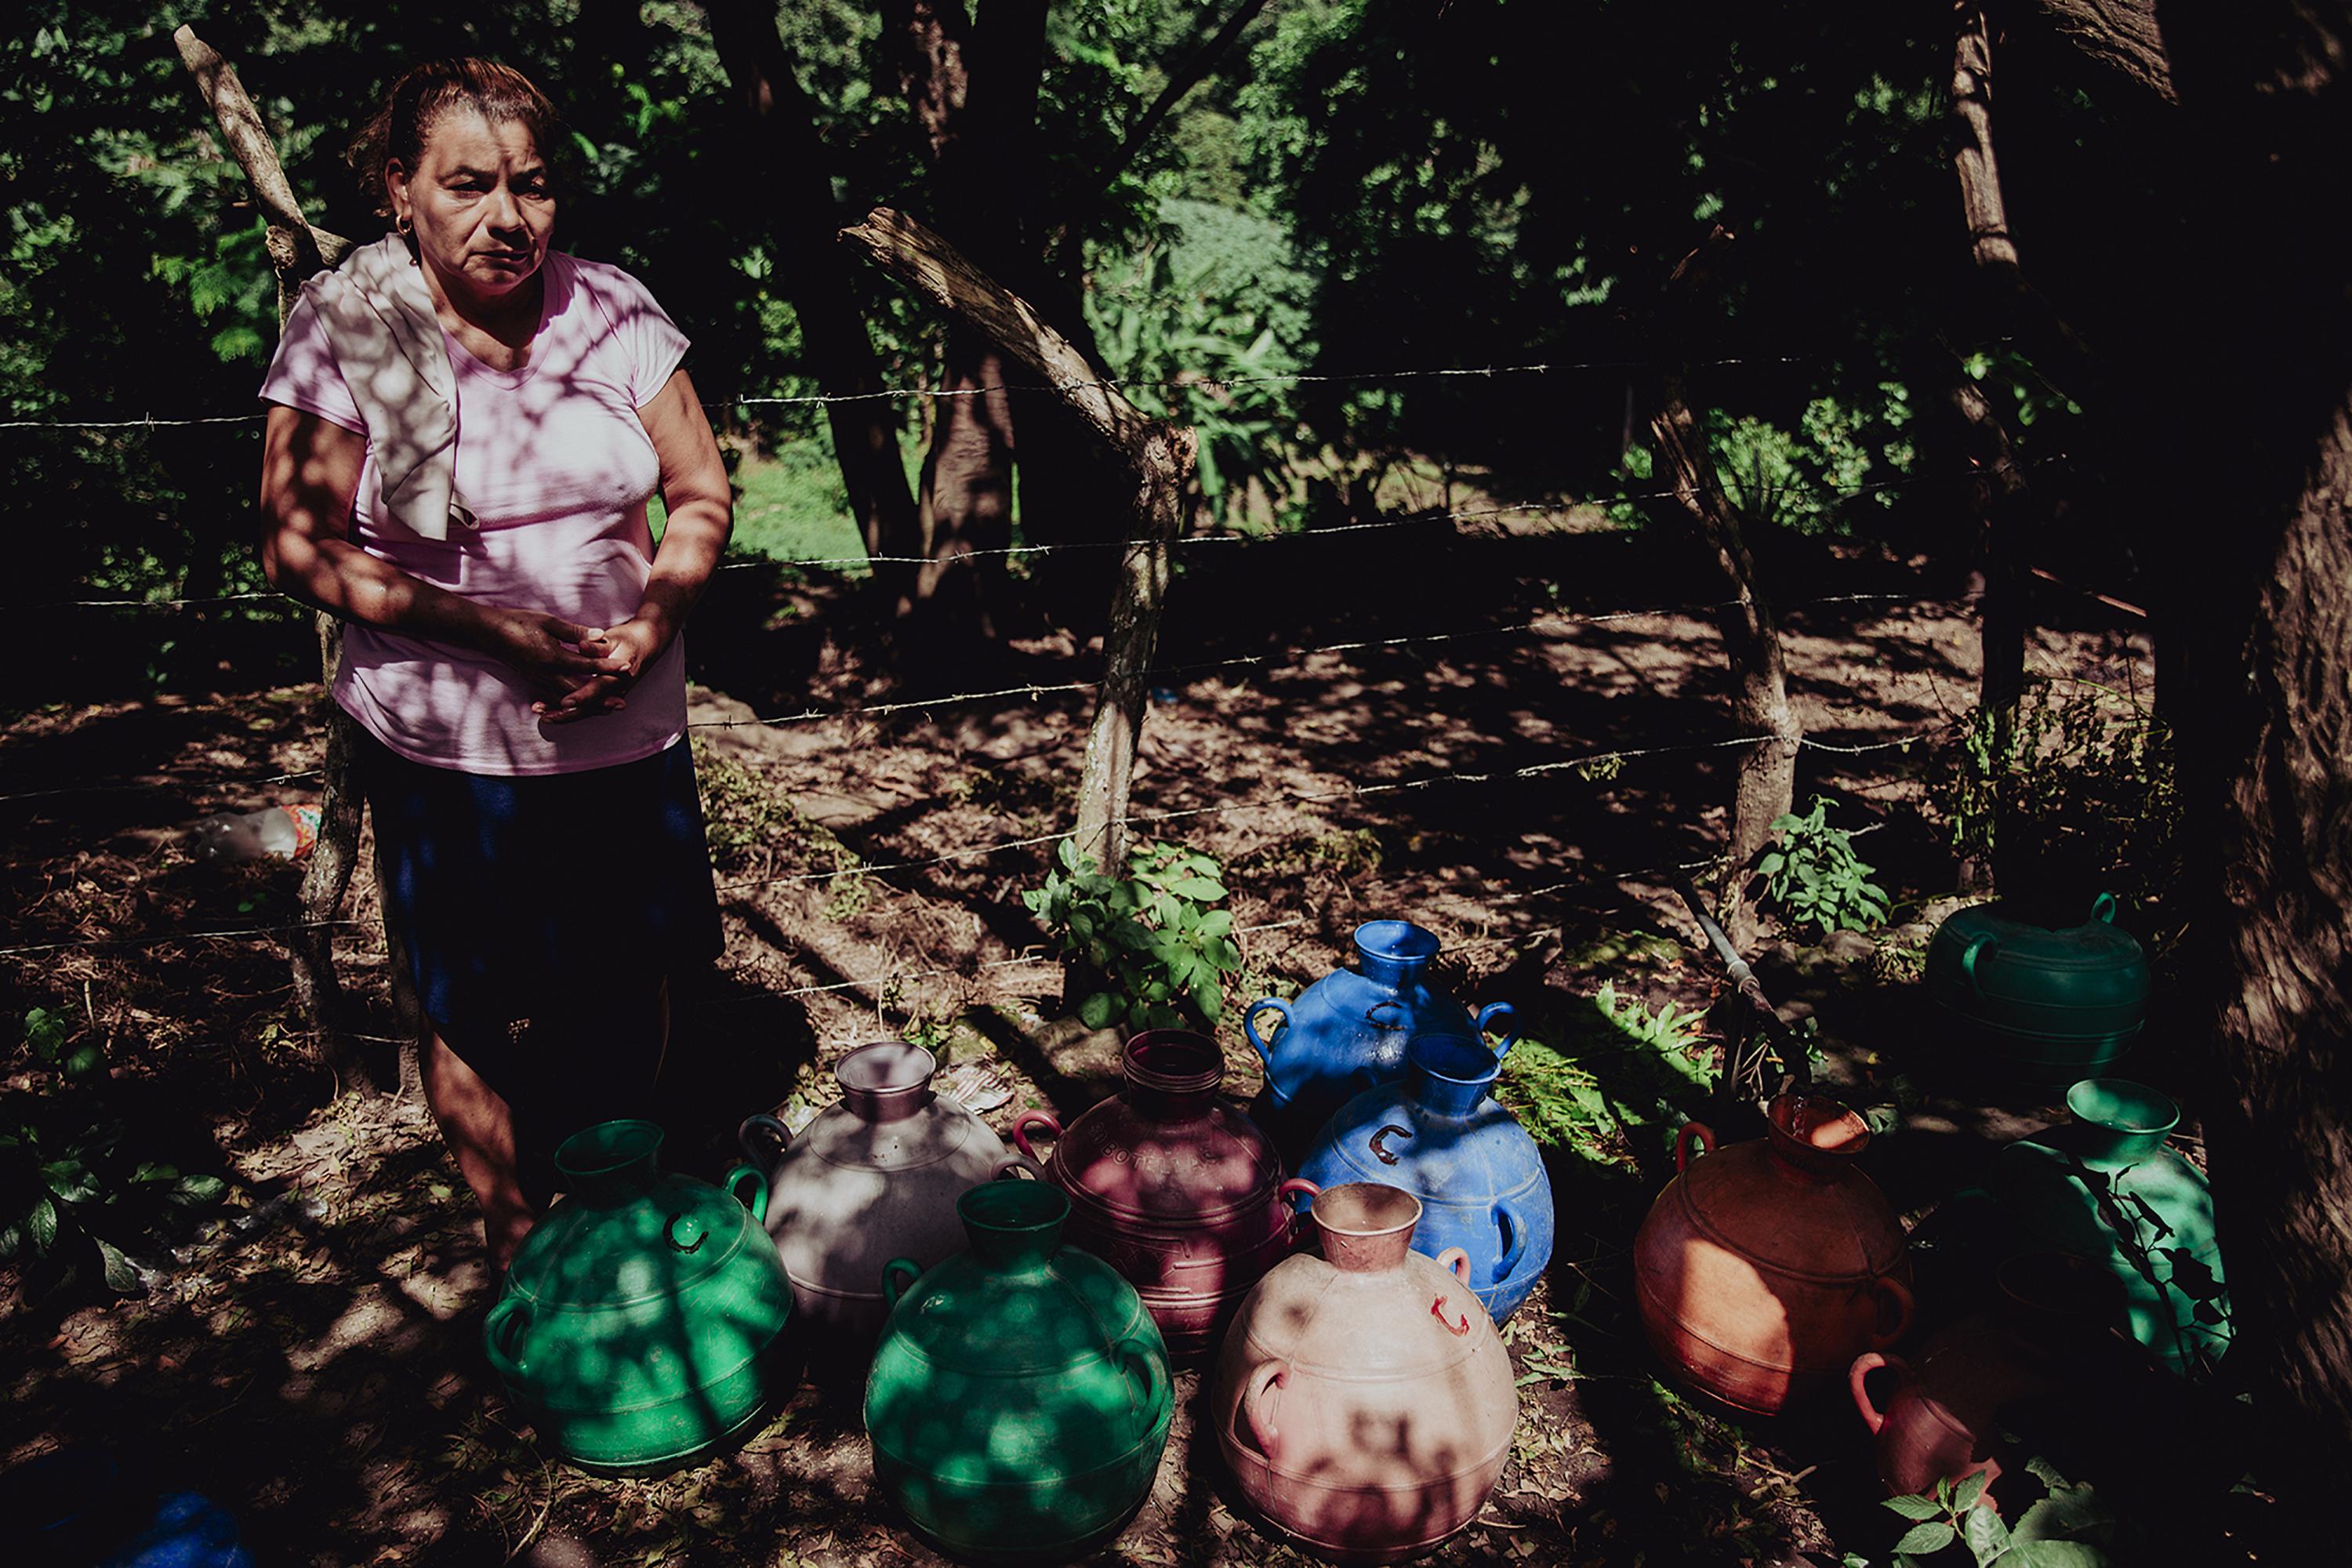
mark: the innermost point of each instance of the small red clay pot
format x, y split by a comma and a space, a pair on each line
1763, 1270
1942, 1421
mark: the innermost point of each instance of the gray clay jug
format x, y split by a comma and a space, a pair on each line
873, 1177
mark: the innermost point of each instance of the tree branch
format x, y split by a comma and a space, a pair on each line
921, 258
1188, 77
296, 248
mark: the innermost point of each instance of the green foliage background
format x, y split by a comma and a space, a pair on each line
1357, 187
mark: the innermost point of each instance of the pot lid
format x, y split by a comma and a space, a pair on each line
626, 1232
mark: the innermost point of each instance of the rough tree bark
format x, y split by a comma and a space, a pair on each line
1751, 640
2000, 490
1159, 456
2233, 352
297, 249
791, 167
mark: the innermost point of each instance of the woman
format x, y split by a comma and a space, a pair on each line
465, 428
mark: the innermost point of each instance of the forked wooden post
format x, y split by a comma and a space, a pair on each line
296, 250
1158, 453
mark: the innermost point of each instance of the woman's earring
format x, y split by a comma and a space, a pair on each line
404, 226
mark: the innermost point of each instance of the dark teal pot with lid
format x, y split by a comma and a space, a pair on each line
2108, 1186
641, 1318
2033, 1006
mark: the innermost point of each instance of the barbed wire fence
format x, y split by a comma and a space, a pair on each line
1595, 763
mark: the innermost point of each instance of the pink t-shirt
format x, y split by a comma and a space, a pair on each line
557, 468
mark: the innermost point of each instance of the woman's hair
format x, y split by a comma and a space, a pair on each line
425, 94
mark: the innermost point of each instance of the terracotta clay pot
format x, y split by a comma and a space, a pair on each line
1941, 1421
1763, 1270
1173, 1187
1362, 1399
875, 1176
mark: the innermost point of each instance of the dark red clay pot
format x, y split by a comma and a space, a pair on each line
1173, 1187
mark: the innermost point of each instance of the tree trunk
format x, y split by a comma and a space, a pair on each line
974, 87
296, 251
1157, 455
2234, 343
2005, 525
792, 168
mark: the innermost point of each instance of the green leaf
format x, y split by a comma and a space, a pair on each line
121, 1274
1097, 1011
1970, 1488
201, 1189
1984, 1532
1914, 1507
1932, 1536
1217, 922
42, 1223
2054, 1554
1200, 888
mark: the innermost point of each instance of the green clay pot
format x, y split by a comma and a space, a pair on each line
2106, 1186
641, 1318
2028, 1004
1020, 1396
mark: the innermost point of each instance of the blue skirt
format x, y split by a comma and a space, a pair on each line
552, 905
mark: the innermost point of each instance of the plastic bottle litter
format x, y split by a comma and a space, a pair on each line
274, 832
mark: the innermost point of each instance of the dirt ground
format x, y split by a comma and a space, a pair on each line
1470, 731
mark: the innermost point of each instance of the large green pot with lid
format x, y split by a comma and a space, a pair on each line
642, 1317
2034, 1005
1020, 1398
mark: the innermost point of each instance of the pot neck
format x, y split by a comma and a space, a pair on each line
887, 1081
1366, 1229
1394, 954
1172, 1075
610, 1163
2119, 1123
1014, 1227
1814, 1138
1451, 1073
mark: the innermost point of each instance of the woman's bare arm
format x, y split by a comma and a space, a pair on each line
701, 508
309, 480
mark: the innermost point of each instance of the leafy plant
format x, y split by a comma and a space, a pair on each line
73, 1198
1669, 1029
2046, 1535
1816, 880
2077, 789
1151, 938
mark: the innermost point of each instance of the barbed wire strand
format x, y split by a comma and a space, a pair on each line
1557, 506
1033, 690
1276, 378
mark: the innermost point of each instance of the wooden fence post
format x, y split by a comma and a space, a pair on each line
296, 250
1158, 453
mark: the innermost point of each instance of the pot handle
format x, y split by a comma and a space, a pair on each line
1249, 1027
774, 1129
1150, 1368
1863, 1365
1455, 1261
1515, 1238
1029, 1119
1297, 1187
2102, 909
1973, 954
1487, 1017
500, 1331
1702, 1133
891, 1289
758, 1202
1259, 1403
1014, 1166
1896, 1296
